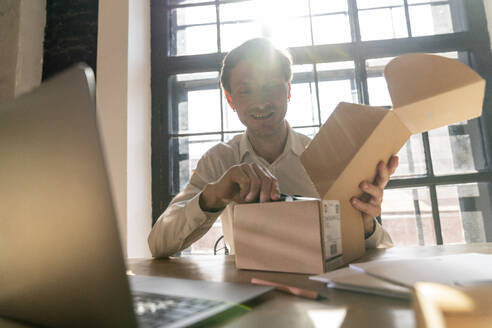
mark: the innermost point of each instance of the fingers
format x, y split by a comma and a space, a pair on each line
275, 194
235, 177
269, 184
385, 171
370, 209
255, 183
382, 176
374, 191
370, 202
393, 164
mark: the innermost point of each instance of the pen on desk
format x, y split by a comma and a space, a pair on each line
289, 289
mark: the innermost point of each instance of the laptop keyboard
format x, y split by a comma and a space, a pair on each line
155, 310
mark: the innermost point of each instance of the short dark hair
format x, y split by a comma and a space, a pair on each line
258, 50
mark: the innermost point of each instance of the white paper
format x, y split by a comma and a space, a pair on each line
348, 279
450, 270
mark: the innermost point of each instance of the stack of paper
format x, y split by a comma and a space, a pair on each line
396, 278
353, 280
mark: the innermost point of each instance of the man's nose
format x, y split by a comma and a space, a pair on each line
263, 102
264, 97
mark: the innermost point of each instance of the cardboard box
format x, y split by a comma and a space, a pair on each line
287, 236
441, 306
427, 92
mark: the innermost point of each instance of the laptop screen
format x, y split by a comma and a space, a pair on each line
61, 263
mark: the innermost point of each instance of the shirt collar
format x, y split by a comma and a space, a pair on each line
293, 144
244, 146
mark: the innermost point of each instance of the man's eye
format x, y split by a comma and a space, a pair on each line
244, 91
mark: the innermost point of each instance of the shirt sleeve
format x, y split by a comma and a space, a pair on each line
183, 222
379, 238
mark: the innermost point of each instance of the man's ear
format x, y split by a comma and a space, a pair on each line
288, 91
229, 99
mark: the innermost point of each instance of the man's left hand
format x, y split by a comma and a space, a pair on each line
370, 201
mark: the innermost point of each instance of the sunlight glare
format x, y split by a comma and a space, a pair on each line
327, 318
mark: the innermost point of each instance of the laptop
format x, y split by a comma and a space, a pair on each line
61, 263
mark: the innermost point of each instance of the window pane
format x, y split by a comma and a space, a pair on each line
203, 110
266, 11
331, 6
411, 2
233, 34
331, 29
198, 78
186, 153
336, 84
195, 15
229, 136
376, 84
310, 132
195, 40
430, 19
378, 91
411, 158
457, 148
291, 32
185, 2
387, 23
407, 216
376, 66
303, 107
273, 9
232, 12
463, 209
205, 245
196, 103
364, 4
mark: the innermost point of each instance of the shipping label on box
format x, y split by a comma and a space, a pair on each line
332, 230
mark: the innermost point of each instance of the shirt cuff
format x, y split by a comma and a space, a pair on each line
193, 210
377, 235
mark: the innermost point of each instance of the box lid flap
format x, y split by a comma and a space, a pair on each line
417, 79
337, 142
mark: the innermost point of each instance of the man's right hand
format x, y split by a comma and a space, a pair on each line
243, 183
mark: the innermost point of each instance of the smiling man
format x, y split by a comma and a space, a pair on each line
260, 163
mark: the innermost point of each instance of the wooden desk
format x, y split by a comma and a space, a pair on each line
277, 309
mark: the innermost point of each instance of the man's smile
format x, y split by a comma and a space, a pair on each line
261, 116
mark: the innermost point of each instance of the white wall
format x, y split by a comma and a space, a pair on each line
488, 12
123, 100
139, 189
29, 66
22, 25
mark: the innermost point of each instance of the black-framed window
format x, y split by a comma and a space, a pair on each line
442, 190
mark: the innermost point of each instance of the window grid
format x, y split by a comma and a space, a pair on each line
359, 55
315, 70
407, 18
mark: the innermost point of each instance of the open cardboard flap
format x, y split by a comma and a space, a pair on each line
447, 91
427, 91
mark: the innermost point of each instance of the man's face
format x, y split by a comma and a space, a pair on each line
259, 94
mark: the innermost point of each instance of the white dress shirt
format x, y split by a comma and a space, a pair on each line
184, 222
